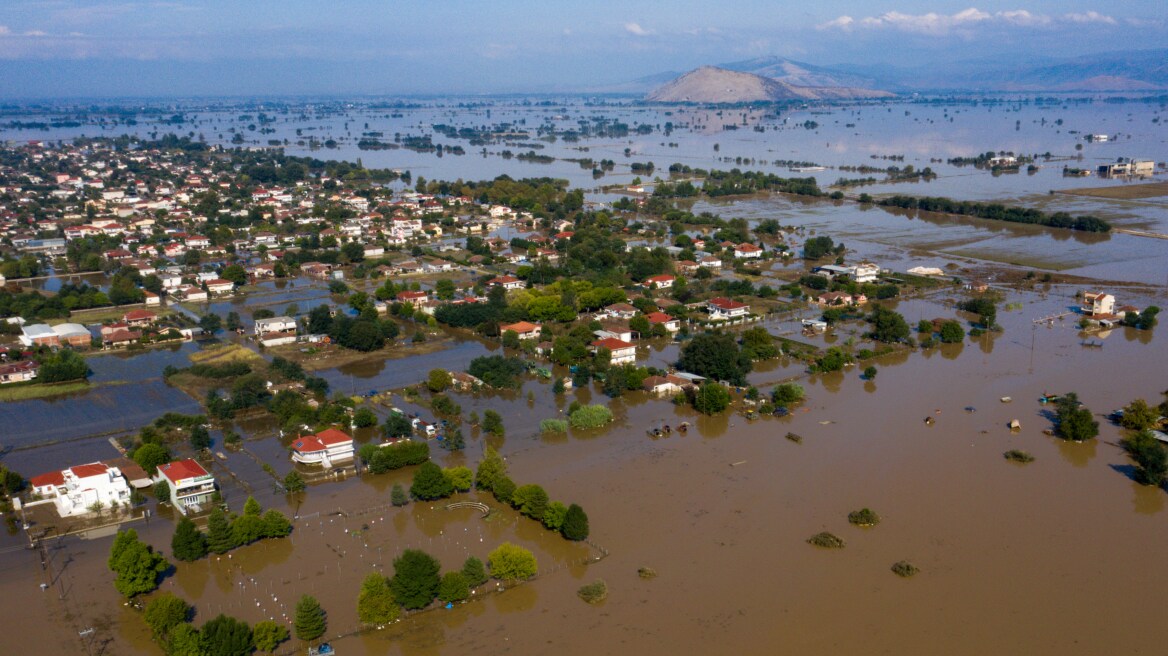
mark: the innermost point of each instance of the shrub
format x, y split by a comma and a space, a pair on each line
826, 540
510, 562
590, 416
863, 517
593, 593
553, 426
1017, 455
904, 569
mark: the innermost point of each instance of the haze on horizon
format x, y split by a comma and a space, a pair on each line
107, 48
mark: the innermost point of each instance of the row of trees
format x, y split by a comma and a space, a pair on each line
530, 500
169, 618
225, 532
998, 212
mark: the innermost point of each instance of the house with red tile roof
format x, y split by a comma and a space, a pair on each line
191, 485
83, 489
325, 448
622, 352
724, 308
525, 329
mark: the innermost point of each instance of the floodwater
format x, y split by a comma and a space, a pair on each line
1040, 558
1009, 554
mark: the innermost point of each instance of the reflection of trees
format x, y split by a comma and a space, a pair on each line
1077, 453
517, 599
952, 351
1147, 500
832, 381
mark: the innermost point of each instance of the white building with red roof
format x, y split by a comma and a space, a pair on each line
663, 281
83, 489
525, 329
747, 251
622, 352
724, 308
506, 282
324, 448
191, 485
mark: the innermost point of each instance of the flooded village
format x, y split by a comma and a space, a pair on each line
524, 375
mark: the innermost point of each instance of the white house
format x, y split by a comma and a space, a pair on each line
324, 448
18, 372
83, 489
220, 286
1098, 303
622, 352
190, 484
724, 308
506, 282
663, 281
274, 325
746, 251
660, 318
525, 329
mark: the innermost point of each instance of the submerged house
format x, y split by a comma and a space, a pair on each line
325, 448
191, 485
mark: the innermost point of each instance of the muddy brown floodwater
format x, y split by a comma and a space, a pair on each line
1059, 556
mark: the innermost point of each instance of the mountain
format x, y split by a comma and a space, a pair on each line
799, 74
711, 84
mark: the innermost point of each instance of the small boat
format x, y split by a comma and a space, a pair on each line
1006, 399
324, 650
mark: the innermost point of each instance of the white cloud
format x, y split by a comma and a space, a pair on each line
935, 24
36, 33
1090, 17
634, 28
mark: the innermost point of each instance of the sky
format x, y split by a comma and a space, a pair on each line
107, 48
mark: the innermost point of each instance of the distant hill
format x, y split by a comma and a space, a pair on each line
800, 74
711, 84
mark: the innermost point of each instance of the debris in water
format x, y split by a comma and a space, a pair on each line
1015, 425
904, 569
797, 439
646, 573
826, 422
740, 462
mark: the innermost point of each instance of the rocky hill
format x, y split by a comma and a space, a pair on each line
710, 84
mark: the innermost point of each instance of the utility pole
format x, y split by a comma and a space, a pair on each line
87, 633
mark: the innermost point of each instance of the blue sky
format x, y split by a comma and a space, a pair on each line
187, 47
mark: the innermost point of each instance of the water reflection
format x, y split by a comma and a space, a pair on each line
1078, 454
1147, 499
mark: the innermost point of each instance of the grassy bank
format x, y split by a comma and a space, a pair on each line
25, 392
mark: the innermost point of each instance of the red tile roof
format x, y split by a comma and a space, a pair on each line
92, 469
308, 444
726, 304
54, 478
332, 437
658, 317
612, 344
180, 469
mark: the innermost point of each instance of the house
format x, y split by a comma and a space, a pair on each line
119, 336
83, 488
463, 381
411, 297
668, 384
1097, 303
710, 262
136, 318
661, 319
18, 372
747, 251
324, 448
615, 329
525, 329
723, 308
622, 352
191, 293
316, 269
836, 299
220, 286
687, 266
506, 282
663, 281
274, 325
620, 311
151, 298
190, 484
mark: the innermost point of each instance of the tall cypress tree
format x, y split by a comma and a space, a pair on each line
575, 523
310, 620
188, 542
219, 537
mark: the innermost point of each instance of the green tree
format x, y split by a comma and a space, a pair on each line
553, 517
275, 524
227, 636
210, 323
185, 641
309, 621
493, 423
396, 425
511, 562
398, 496
1139, 416
444, 289
220, 539
984, 308
870, 372
375, 603
786, 394
252, 507
235, 273
136, 564
200, 438
952, 332
150, 455
590, 416
163, 613
162, 491
758, 344
474, 572
453, 587
531, 500
715, 356
439, 380
1150, 456
294, 482
888, 325
461, 478
188, 543
268, 635
415, 579
711, 398
575, 524
491, 469
364, 418
233, 322
246, 529
430, 483
63, 366
1073, 421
